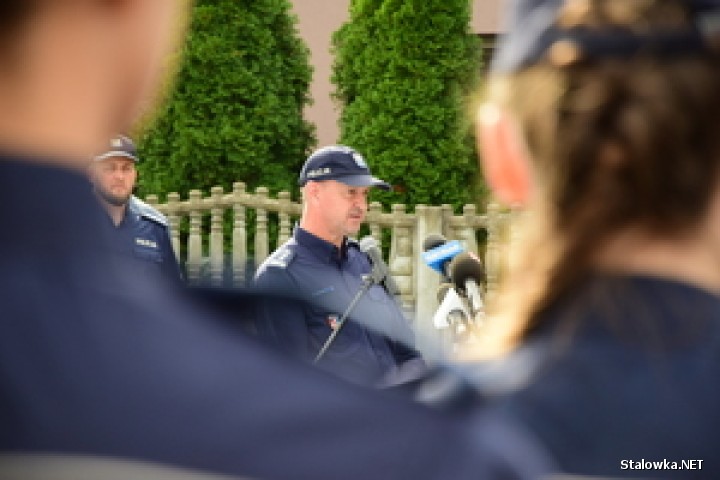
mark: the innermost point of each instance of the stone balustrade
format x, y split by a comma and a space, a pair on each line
206, 244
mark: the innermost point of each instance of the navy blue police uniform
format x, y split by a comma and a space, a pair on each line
330, 277
143, 235
97, 360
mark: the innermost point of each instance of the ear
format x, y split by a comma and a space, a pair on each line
504, 157
311, 191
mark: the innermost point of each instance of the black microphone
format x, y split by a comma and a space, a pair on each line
433, 240
380, 272
467, 273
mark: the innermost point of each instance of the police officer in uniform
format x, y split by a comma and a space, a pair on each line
142, 233
322, 264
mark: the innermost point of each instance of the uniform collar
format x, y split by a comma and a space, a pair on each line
324, 250
127, 218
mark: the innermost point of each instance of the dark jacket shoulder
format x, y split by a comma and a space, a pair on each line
279, 260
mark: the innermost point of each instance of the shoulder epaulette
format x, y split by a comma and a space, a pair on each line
146, 211
282, 257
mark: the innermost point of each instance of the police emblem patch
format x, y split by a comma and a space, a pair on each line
333, 321
359, 160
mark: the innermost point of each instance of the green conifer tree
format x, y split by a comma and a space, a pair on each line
236, 109
404, 72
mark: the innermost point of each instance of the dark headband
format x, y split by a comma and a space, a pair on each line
533, 33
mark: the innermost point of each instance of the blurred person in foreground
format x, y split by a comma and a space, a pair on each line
141, 232
602, 120
98, 361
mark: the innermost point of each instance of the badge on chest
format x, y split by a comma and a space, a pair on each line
144, 242
333, 321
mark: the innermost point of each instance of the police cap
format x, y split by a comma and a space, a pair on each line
339, 163
120, 146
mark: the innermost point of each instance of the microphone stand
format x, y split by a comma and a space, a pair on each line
373, 278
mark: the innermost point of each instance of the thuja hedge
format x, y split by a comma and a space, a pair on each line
404, 73
235, 109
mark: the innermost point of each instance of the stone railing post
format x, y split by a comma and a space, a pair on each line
284, 217
174, 222
239, 239
446, 212
152, 200
401, 262
467, 233
216, 236
195, 238
261, 227
428, 220
374, 211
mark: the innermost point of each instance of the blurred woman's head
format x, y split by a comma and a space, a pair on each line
605, 124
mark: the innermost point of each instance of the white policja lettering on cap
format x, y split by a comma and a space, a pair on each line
319, 171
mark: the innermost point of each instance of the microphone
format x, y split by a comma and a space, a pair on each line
467, 274
380, 272
452, 311
442, 291
433, 240
438, 252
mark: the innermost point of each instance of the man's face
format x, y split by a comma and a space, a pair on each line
342, 207
114, 179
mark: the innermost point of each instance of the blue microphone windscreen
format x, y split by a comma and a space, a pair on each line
436, 257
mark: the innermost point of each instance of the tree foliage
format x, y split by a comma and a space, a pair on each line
236, 109
404, 71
